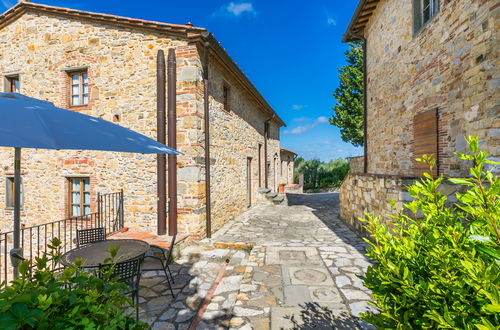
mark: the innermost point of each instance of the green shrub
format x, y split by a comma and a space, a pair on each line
319, 175
440, 269
70, 299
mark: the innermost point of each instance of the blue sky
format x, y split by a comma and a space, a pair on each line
290, 50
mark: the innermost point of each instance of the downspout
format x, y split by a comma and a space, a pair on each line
365, 107
161, 159
172, 142
266, 137
365, 102
208, 217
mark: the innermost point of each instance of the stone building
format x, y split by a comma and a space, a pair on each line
432, 79
105, 66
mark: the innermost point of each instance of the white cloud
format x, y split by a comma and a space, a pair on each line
235, 9
239, 8
331, 21
300, 129
322, 119
7, 3
305, 128
300, 119
298, 106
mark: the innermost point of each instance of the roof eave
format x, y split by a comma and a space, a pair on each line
223, 58
353, 32
22, 7
193, 34
288, 150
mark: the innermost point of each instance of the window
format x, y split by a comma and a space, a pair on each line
78, 197
79, 88
10, 192
12, 84
226, 94
423, 11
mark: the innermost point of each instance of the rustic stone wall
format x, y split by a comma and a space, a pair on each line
371, 193
356, 164
121, 65
286, 167
451, 64
122, 80
235, 136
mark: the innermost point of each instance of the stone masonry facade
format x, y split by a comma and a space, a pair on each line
235, 136
379, 195
450, 64
41, 46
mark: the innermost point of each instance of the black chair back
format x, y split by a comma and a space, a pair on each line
87, 236
127, 271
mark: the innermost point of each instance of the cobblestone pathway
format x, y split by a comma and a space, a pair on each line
274, 267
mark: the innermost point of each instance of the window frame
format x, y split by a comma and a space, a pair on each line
81, 83
9, 192
81, 204
9, 83
418, 14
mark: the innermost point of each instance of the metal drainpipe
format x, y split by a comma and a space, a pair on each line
172, 142
365, 107
161, 159
208, 217
266, 137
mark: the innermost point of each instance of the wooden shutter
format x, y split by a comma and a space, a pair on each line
425, 140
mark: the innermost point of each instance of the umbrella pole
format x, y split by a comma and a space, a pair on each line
17, 251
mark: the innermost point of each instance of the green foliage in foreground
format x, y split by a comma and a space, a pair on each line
318, 174
442, 270
71, 299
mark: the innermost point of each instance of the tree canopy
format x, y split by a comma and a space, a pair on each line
319, 174
348, 112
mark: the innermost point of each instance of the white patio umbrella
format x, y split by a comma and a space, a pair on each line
27, 122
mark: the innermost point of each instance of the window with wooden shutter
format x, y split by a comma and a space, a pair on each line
425, 140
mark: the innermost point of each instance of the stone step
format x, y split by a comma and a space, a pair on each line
279, 199
271, 195
264, 190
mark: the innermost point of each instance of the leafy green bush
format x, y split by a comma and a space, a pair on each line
437, 266
44, 299
319, 174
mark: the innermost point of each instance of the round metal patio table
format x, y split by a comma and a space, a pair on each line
95, 253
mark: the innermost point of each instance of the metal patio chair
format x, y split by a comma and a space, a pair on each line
87, 236
162, 255
128, 272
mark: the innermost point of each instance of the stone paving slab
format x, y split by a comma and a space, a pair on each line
318, 259
290, 266
310, 316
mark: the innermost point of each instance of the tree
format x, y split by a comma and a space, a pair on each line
348, 114
319, 174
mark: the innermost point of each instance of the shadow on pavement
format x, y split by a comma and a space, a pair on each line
315, 316
325, 206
